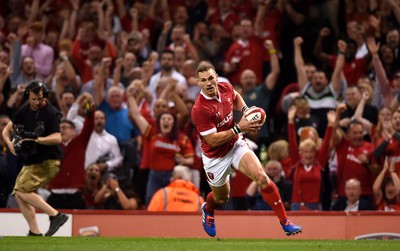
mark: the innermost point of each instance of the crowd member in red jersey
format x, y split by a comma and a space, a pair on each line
354, 68
143, 100
245, 53
267, 24
223, 14
386, 188
167, 144
95, 53
179, 38
308, 161
140, 16
224, 150
353, 159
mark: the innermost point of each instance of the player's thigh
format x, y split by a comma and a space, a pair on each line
251, 166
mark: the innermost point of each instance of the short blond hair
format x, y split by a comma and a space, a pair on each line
307, 144
278, 150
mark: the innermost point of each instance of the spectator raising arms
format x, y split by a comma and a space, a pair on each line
308, 163
354, 155
168, 145
42, 54
102, 147
386, 188
66, 188
23, 68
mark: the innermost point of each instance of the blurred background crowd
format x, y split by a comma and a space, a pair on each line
326, 72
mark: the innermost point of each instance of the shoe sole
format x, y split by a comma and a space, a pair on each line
33, 234
60, 225
294, 233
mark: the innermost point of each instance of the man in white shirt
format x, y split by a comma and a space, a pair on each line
167, 70
102, 147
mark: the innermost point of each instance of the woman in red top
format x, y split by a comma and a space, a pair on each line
308, 163
168, 146
386, 188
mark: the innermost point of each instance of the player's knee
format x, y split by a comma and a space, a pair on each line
261, 179
17, 196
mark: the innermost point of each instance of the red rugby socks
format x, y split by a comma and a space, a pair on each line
271, 195
210, 206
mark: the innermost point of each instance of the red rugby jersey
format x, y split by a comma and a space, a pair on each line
211, 115
350, 167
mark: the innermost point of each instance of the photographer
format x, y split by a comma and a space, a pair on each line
39, 142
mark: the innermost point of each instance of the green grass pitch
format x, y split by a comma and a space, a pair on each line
186, 244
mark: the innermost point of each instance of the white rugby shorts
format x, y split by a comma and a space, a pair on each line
218, 169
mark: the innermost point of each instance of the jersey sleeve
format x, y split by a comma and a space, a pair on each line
202, 119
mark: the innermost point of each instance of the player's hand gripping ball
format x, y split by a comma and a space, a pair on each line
256, 114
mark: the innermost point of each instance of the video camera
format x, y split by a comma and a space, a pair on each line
19, 133
104, 158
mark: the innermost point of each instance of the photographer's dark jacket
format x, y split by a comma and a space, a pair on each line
50, 117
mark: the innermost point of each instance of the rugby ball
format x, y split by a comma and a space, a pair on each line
255, 114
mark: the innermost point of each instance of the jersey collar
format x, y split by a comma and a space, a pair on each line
218, 98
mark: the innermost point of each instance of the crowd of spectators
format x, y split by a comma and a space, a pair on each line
123, 75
